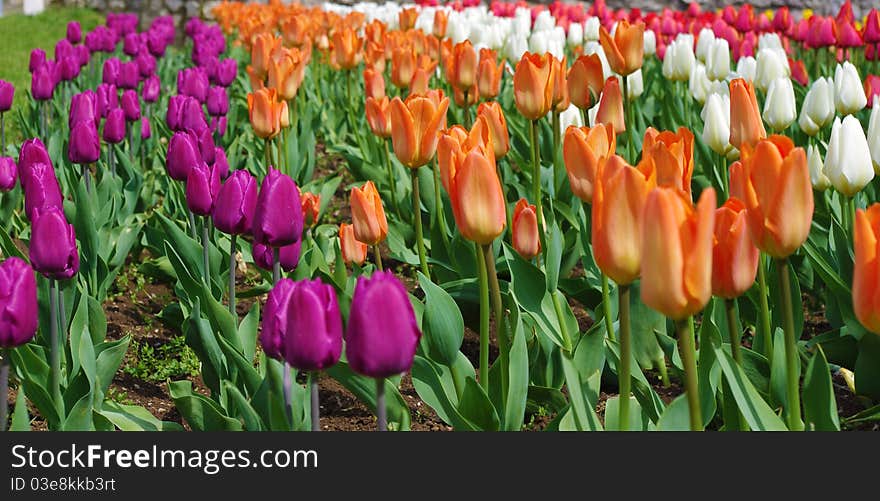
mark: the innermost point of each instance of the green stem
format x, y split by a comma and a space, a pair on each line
765, 309
497, 311
4, 386
232, 276
392, 180
378, 256
417, 223
624, 374
439, 217
381, 410
851, 209
467, 111
738, 421
630, 146
556, 146
536, 180
688, 351
192, 223
206, 248
484, 317
606, 308
792, 362
315, 401
276, 265
54, 349
563, 328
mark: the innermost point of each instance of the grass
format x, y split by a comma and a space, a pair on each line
19, 34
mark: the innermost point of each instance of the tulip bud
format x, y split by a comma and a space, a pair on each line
818, 108
114, 127
771, 64
227, 71
625, 49
7, 91
747, 68
8, 173
32, 152
378, 111
779, 106
202, 186
193, 82
131, 105
704, 43
849, 97
679, 59
817, 169
192, 117
288, 256
43, 83
414, 127
734, 256
353, 251
533, 85
865, 283
235, 203
53, 250
526, 240
110, 71
313, 339
874, 134
311, 207
278, 219
718, 60
275, 319
611, 106
83, 108
37, 59
381, 348
716, 124
462, 66
582, 150
84, 146
146, 132
491, 116
489, 73
183, 155
265, 113
41, 189
129, 75
151, 89
218, 101
18, 303
585, 81
477, 199
699, 84
746, 127
848, 159
370, 225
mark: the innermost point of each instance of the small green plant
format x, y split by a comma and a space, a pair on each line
119, 396
172, 360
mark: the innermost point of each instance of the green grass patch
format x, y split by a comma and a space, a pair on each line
19, 34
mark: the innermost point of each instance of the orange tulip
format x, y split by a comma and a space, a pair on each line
296, 30
378, 111
734, 256
311, 206
619, 195
491, 116
611, 106
866, 300
374, 56
353, 251
472, 96
374, 83
583, 149
773, 181
489, 72
461, 68
477, 200
454, 145
677, 252
420, 81
403, 66
414, 127
261, 53
626, 50
286, 73
585, 81
672, 154
370, 225
440, 21
561, 100
375, 31
265, 112
525, 230
746, 127
347, 48
533, 85
407, 18
257, 82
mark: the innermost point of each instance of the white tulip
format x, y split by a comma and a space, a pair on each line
716, 123
596, 48
575, 34
818, 108
650, 43
522, 22
539, 42
635, 85
848, 159
849, 95
746, 68
780, 109
719, 87
515, 48
591, 29
771, 64
704, 42
678, 63
698, 83
817, 169
571, 116
544, 21
769, 41
718, 60
874, 134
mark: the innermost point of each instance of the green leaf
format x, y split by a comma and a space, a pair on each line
708, 371
435, 392
518, 379
445, 326
364, 388
110, 356
612, 415
583, 412
476, 407
757, 413
134, 418
553, 256
867, 368
820, 409
676, 417
252, 421
528, 286
200, 412
20, 419
79, 418
645, 324
247, 331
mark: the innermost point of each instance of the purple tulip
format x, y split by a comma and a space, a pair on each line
156, 44
131, 105
288, 255
193, 82
151, 88
63, 49
202, 185
221, 162
313, 340
69, 68
7, 91
18, 303
183, 154
8, 173
74, 32
32, 152
129, 75
382, 333
146, 131
226, 72
146, 64
235, 204
107, 99
218, 125
43, 83
84, 146
110, 71
41, 189
172, 114
38, 58
53, 249
278, 219
275, 316
114, 126
192, 116
206, 146
93, 41
83, 55
131, 44
83, 108
218, 101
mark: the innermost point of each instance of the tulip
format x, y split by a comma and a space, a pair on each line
218, 101
477, 199
441, 18
286, 73
699, 84
131, 106
7, 90
625, 49
872, 88
313, 338
41, 189
278, 217
716, 124
734, 256
183, 155
771, 64
378, 111
419, 85
705, 40
36, 60
18, 305
718, 60
151, 89
353, 251
263, 46
583, 149
8, 173
671, 156
849, 97
383, 348
221, 162
129, 75
202, 186
288, 256
218, 126
192, 117
235, 204
779, 106
32, 152
114, 127
110, 71
193, 82
275, 318
42, 83
53, 250
83, 108
84, 147
491, 116
533, 83
817, 169
848, 159
226, 72
585, 81
818, 108
403, 66
146, 65
679, 59
526, 240
461, 68
489, 72
311, 207
370, 225
746, 128
265, 113
611, 106
414, 126
873, 134
866, 269
374, 83
773, 181
347, 48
